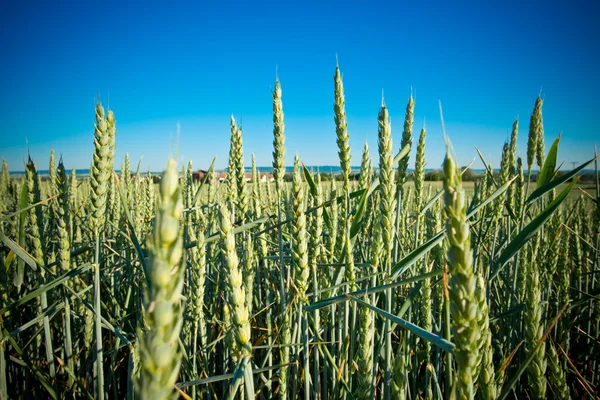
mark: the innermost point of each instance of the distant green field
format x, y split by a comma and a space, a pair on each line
469, 188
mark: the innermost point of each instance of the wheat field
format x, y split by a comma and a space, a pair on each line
128, 285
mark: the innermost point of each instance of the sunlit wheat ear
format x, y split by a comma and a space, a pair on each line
387, 182
540, 150
52, 172
236, 295
242, 193
512, 161
406, 138
35, 222
232, 175
125, 178
100, 171
420, 169
535, 141
198, 281
341, 126
299, 233
387, 217
160, 354
423, 265
5, 183
62, 211
504, 177
519, 186
366, 168
278, 138
111, 128
74, 204
461, 281
35, 243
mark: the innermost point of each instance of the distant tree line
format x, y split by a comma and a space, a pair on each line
438, 175
469, 175
326, 176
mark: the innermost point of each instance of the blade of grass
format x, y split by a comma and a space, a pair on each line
488, 168
357, 220
473, 210
367, 291
52, 310
540, 191
58, 281
19, 251
416, 254
420, 332
204, 180
549, 167
33, 368
431, 202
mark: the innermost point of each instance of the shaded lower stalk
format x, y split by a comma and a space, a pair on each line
534, 327
99, 365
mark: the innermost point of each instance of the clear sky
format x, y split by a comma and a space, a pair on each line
198, 62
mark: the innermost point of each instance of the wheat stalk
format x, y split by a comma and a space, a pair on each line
461, 281
160, 354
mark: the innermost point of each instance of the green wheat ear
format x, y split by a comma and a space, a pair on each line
387, 181
366, 168
101, 168
299, 233
160, 354
535, 141
366, 330
278, 138
236, 295
485, 375
461, 281
406, 139
341, 126
62, 214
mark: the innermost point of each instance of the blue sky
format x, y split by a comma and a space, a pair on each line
199, 62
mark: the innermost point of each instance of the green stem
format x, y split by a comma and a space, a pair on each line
448, 337
99, 368
3, 386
